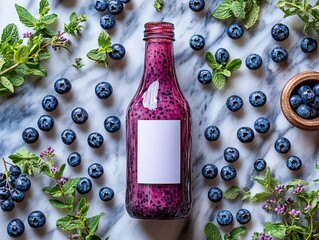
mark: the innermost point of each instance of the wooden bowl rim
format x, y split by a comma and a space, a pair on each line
289, 113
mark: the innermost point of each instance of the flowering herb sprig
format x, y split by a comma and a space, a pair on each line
297, 207
19, 58
63, 194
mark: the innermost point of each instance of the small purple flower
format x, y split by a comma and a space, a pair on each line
49, 152
298, 189
27, 35
294, 213
280, 188
267, 207
270, 200
290, 201
307, 208
265, 236
54, 169
74, 236
62, 180
280, 209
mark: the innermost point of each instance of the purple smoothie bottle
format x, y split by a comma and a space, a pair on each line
158, 133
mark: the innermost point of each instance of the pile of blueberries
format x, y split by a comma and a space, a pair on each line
114, 7
305, 101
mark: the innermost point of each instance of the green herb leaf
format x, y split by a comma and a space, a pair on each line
104, 40
74, 27
67, 223
49, 19
7, 84
295, 182
97, 56
158, 5
237, 232
83, 207
219, 80
52, 191
58, 204
10, 31
44, 7
21, 55
232, 193
234, 65
223, 10
246, 195
25, 16
277, 230
92, 223
238, 9
252, 17
212, 232
61, 171
78, 63
23, 69
210, 60
259, 196
94, 237
70, 186
16, 80
43, 55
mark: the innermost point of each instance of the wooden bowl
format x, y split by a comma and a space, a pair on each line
289, 89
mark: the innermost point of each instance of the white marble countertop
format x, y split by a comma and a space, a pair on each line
207, 105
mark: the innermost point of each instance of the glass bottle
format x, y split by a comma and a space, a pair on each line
158, 133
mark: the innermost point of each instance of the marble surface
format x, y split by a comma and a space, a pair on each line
207, 104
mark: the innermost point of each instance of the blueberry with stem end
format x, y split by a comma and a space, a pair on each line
36, 219
15, 228
234, 103
30, 135
204, 76
106, 194
235, 31
212, 133
224, 218
197, 42
210, 171
215, 194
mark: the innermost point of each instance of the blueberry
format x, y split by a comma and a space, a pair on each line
95, 170
304, 111
243, 216
215, 194
308, 45
68, 136
257, 98
62, 85
36, 219
17, 195
315, 103
222, 55
118, 51
103, 90
294, 163
45, 123
125, 1
106, 194
262, 125
79, 115
107, 21
4, 193
228, 173
303, 88
307, 96
280, 32
30, 135
15, 228
245, 134
74, 159
231, 154
95, 140
196, 5
49, 103
253, 61
12, 179
115, 7
235, 31
212, 133
84, 185
315, 89
23, 183
197, 42
260, 165
234, 103
204, 76
210, 171
7, 205
295, 101
224, 217
279, 54
15, 170
112, 124
100, 5
3, 183
282, 145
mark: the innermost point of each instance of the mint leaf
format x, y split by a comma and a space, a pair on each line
226, 73
10, 31
92, 223
83, 207
237, 232
219, 80
58, 204
223, 10
104, 40
295, 182
22, 54
277, 230
238, 9
210, 60
43, 55
2, 62
252, 17
52, 191
212, 232
49, 19
16, 80
70, 186
67, 223
97, 56
61, 171
232, 193
7, 84
246, 195
234, 65
74, 27
44, 7
25, 16
94, 237
259, 196
158, 5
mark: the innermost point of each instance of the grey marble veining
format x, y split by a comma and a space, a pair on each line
207, 104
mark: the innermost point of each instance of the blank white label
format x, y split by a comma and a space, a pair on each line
159, 152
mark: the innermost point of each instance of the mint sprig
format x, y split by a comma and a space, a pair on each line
221, 71
63, 194
18, 59
308, 13
212, 232
100, 55
158, 5
245, 11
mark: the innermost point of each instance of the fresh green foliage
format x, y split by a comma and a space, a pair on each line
246, 195
212, 232
158, 5
100, 55
297, 208
245, 11
308, 13
221, 71
19, 58
232, 193
78, 63
63, 194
